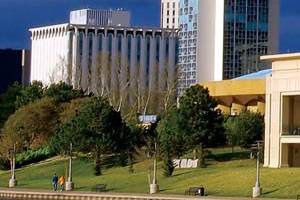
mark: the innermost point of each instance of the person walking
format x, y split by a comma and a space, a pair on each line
62, 183
54, 182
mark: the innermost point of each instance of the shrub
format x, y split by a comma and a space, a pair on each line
33, 156
244, 129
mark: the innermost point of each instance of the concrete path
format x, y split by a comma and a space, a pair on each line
47, 195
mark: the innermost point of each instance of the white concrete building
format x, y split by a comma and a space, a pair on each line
98, 17
282, 117
169, 14
98, 58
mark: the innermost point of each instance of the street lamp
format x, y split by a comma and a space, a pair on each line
12, 181
257, 190
69, 183
148, 120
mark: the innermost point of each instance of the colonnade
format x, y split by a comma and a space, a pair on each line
144, 56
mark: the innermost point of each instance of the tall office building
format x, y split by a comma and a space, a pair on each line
169, 13
223, 39
233, 35
188, 37
14, 67
98, 17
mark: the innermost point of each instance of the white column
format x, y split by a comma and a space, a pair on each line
95, 52
143, 63
75, 58
152, 63
104, 63
162, 75
85, 61
124, 64
69, 58
171, 62
133, 67
114, 63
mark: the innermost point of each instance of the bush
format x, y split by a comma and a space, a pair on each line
244, 129
33, 156
4, 164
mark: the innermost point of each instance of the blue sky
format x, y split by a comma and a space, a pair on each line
17, 16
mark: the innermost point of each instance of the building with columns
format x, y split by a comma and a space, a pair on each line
282, 119
117, 60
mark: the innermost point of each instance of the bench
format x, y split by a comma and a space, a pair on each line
99, 188
196, 191
298, 197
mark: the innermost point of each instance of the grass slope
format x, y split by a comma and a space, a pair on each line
226, 178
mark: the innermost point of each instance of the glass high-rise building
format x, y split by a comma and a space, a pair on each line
187, 53
224, 39
233, 35
246, 30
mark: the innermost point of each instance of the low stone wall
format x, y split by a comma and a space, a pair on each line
42, 195
24, 195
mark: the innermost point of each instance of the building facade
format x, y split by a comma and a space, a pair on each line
103, 59
282, 118
169, 14
14, 67
188, 35
223, 39
234, 34
97, 17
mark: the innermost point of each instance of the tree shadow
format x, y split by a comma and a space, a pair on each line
270, 191
181, 173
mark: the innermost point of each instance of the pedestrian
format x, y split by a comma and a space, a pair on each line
54, 182
62, 183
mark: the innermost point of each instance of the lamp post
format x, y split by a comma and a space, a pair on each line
69, 183
256, 190
147, 120
12, 181
154, 188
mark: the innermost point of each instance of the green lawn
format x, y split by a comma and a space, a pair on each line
226, 178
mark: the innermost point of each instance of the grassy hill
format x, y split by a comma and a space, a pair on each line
220, 178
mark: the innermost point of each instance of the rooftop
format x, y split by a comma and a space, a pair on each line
256, 75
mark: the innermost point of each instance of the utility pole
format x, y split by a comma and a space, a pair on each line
257, 189
69, 183
12, 181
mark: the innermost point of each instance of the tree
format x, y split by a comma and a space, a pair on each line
171, 140
62, 92
95, 128
245, 129
7, 102
200, 120
30, 94
31, 126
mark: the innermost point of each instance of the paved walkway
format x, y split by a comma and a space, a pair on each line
43, 194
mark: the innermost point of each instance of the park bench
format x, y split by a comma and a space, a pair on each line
100, 188
298, 197
196, 191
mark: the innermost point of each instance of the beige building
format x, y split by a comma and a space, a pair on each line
282, 119
169, 13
